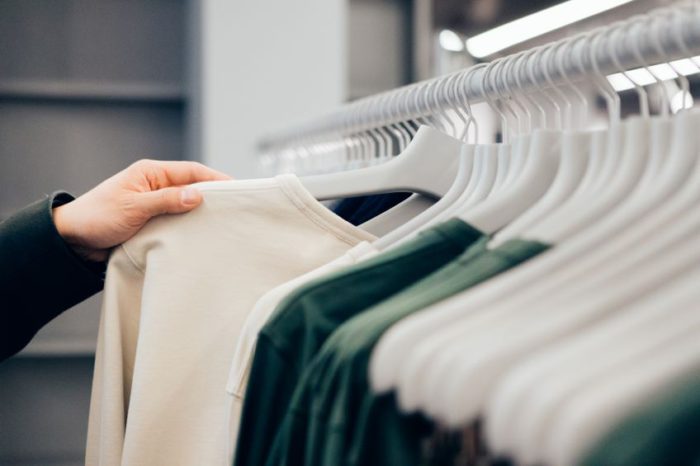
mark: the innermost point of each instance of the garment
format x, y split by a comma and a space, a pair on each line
176, 296
665, 432
303, 321
243, 356
40, 275
358, 210
334, 417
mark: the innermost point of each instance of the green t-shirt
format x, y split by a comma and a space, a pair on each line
335, 418
665, 432
304, 320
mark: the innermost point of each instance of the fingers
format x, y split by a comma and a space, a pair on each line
173, 200
180, 173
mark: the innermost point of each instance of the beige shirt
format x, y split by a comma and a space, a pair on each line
176, 297
243, 356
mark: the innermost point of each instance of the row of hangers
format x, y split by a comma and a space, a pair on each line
553, 353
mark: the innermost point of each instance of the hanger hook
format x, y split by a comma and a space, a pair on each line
641, 92
536, 57
611, 96
548, 55
463, 87
584, 101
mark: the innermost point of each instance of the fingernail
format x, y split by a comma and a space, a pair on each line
189, 196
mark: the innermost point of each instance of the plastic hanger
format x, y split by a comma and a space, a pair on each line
618, 182
422, 168
464, 172
425, 322
416, 204
479, 182
678, 172
624, 392
574, 159
631, 335
537, 175
454, 310
462, 394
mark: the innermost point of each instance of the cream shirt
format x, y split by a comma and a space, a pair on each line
176, 297
243, 357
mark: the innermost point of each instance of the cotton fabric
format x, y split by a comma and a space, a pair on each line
335, 418
305, 319
243, 356
176, 297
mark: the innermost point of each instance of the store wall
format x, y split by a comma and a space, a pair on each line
265, 64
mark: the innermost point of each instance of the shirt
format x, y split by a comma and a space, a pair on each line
665, 432
335, 418
176, 296
243, 356
302, 322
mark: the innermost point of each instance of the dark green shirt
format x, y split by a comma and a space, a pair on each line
665, 432
305, 319
335, 418
40, 276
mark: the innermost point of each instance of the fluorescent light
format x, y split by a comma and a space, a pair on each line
662, 71
536, 24
450, 41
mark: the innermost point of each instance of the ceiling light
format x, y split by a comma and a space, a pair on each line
537, 24
450, 41
662, 71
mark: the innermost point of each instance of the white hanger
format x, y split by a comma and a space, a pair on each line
618, 181
463, 179
422, 168
462, 395
479, 184
574, 159
536, 177
631, 335
488, 293
410, 209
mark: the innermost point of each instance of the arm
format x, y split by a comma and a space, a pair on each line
52, 253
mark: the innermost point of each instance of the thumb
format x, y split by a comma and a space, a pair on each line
173, 200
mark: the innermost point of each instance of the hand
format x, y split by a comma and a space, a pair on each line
116, 209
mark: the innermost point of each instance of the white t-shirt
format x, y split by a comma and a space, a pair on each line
176, 297
243, 357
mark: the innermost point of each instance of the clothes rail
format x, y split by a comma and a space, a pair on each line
620, 46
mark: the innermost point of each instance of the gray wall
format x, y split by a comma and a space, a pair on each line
86, 88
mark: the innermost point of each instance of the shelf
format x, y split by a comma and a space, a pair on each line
91, 91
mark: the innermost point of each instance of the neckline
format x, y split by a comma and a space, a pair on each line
318, 213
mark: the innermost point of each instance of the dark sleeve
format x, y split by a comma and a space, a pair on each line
40, 276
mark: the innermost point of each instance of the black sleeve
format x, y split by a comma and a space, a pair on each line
40, 276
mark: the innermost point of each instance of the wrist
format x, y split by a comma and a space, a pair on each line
69, 230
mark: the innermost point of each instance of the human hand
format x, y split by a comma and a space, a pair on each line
120, 206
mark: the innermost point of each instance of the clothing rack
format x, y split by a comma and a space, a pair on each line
614, 48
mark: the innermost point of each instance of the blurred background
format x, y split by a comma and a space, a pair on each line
89, 86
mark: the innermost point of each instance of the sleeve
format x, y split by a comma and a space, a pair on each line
40, 277
114, 360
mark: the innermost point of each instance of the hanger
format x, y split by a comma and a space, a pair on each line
537, 175
412, 207
454, 308
421, 168
538, 316
465, 171
630, 334
515, 315
574, 159
481, 180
